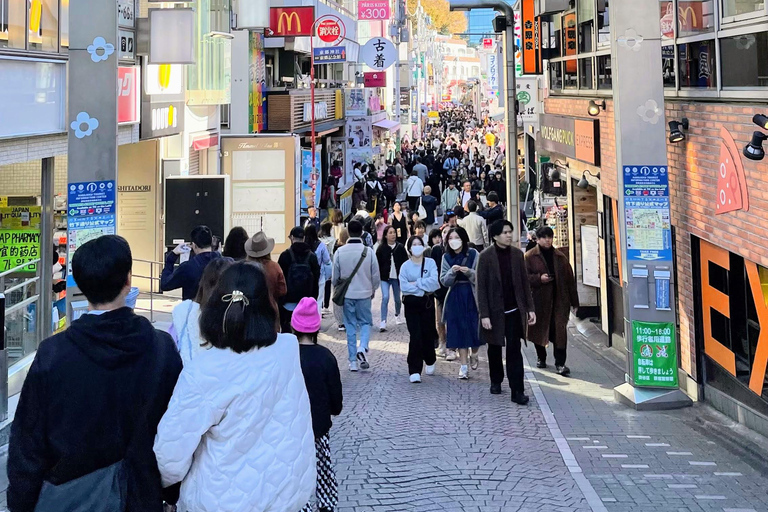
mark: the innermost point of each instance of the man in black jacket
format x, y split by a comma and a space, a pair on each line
95, 390
302, 275
187, 275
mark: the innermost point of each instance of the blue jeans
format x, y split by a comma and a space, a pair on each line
357, 316
385, 285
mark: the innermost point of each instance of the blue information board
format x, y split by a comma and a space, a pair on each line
90, 214
647, 213
330, 54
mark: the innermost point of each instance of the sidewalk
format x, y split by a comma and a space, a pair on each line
448, 445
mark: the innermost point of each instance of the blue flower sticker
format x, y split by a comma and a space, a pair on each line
99, 43
84, 125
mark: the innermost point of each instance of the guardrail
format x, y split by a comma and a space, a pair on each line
152, 292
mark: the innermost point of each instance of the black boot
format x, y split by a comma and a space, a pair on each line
563, 370
541, 363
495, 389
520, 398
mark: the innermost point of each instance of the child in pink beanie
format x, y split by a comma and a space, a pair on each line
321, 376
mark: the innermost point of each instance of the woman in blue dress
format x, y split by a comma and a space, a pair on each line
460, 314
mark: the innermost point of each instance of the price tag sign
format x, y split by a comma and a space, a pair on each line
373, 10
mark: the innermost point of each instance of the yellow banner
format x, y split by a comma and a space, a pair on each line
20, 217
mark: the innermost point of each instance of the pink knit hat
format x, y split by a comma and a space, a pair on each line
306, 317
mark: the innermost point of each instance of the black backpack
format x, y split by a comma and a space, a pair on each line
300, 281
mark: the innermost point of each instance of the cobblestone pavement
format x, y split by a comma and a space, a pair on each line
449, 445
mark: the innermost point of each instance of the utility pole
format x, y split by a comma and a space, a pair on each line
513, 185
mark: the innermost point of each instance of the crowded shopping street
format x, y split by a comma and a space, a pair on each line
383, 256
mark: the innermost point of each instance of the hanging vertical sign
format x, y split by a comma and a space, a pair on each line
569, 28
531, 46
493, 72
518, 44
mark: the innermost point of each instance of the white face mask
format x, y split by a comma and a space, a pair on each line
417, 250
455, 244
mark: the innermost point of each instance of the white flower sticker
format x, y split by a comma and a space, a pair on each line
100, 49
631, 40
84, 125
650, 112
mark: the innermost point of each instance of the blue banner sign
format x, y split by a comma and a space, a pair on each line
330, 55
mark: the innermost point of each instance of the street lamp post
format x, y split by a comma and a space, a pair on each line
513, 196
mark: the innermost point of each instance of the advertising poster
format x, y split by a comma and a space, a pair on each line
647, 212
654, 354
257, 73
359, 132
354, 102
355, 155
310, 180
19, 237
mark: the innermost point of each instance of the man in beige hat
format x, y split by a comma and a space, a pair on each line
259, 249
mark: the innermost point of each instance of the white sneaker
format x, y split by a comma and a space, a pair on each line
415, 377
353, 366
383, 326
452, 356
463, 372
430, 370
441, 352
326, 312
399, 320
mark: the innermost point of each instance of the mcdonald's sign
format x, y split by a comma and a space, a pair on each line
290, 21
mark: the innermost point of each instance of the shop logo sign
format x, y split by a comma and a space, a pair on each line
290, 21
732, 193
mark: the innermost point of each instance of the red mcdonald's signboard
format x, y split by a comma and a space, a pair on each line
290, 21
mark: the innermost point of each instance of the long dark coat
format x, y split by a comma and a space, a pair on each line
553, 299
490, 294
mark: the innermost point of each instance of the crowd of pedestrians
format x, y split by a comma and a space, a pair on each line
232, 409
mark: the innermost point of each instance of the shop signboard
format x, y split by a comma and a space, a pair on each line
90, 214
527, 97
359, 132
330, 55
654, 354
569, 44
19, 237
257, 73
375, 79
518, 44
290, 21
493, 72
378, 53
531, 38
571, 137
128, 105
373, 10
331, 30
310, 180
162, 101
487, 43
647, 212
126, 13
354, 102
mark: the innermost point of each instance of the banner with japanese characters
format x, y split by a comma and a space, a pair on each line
19, 237
654, 354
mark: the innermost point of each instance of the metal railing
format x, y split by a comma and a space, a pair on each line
152, 292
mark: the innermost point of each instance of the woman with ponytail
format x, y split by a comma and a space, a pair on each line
238, 430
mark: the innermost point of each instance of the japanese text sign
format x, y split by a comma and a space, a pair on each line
373, 10
647, 213
654, 352
379, 53
531, 34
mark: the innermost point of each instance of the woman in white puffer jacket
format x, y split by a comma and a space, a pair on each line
238, 430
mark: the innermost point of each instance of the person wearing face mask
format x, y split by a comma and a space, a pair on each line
391, 255
418, 281
460, 314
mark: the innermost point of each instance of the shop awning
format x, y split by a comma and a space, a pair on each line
204, 141
498, 117
387, 124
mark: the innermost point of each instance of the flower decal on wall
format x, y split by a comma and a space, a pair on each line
100, 49
631, 40
650, 112
84, 125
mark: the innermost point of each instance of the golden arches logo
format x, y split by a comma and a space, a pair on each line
688, 17
289, 18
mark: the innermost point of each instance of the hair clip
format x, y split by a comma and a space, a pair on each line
235, 296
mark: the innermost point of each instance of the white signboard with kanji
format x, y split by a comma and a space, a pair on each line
378, 53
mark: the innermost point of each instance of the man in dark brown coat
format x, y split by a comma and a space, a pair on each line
555, 295
505, 305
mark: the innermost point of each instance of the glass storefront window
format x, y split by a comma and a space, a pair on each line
586, 17
668, 65
695, 17
64, 23
43, 25
13, 18
570, 78
604, 78
745, 60
603, 26
555, 76
696, 64
667, 19
585, 74
737, 7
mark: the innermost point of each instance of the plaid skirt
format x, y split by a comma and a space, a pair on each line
327, 492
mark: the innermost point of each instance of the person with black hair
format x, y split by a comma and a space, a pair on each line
501, 273
302, 275
234, 245
356, 267
391, 255
418, 281
555, 295
312, 219
414, 187
494, 211
323, 258
457, 273
399, 221
321, 375
94, 395
436, 251
243, 403
477, 230
187, 275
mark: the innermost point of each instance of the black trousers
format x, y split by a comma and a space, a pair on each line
420, 321
413, 203
513, 331
560, 354
327, 298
